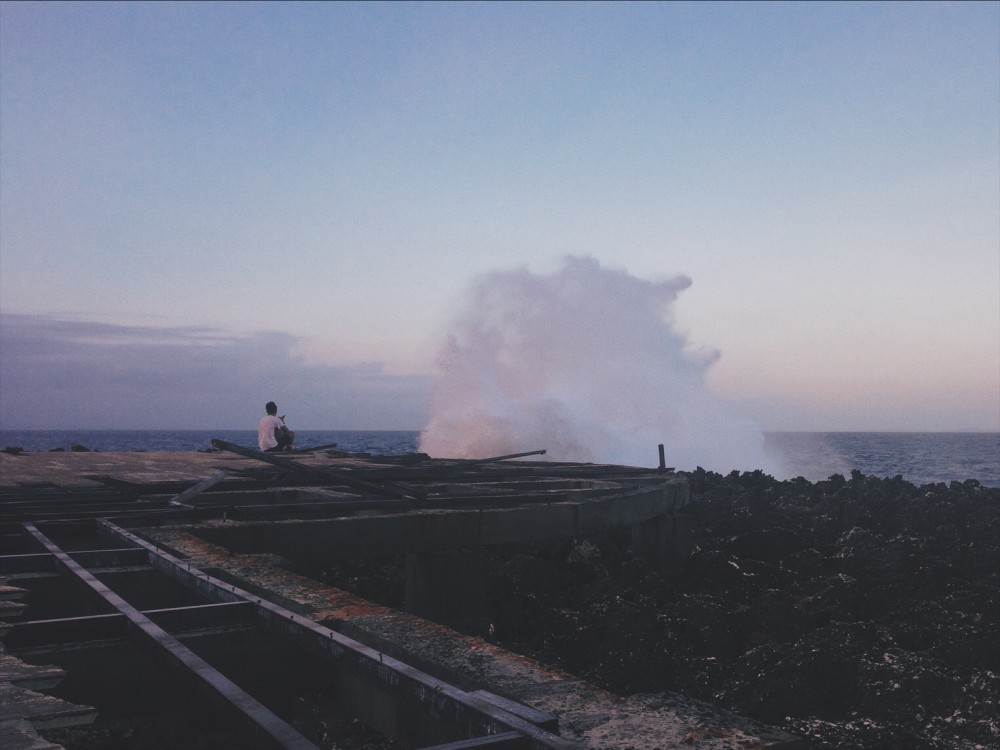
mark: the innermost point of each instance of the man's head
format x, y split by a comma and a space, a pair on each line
271, 408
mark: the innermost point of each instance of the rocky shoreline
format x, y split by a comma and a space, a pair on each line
856, 612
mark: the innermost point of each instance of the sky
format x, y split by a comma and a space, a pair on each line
206, 206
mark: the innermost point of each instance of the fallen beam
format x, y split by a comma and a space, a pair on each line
491, 459
314, 448
190, 494
388, 489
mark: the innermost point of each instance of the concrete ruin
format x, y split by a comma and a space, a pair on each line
164, 552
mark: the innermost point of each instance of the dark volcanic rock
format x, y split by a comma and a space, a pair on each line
857, 612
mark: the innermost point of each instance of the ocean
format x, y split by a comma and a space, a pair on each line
919, 457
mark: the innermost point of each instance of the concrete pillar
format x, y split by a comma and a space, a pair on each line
447, 587
664, 542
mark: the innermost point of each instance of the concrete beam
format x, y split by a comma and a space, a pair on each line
328, 540
398, 700
161, 645
178, 621
41, 562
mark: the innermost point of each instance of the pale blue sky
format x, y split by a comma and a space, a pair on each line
323, 182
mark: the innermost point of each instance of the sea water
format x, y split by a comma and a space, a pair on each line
919, 457
352, 441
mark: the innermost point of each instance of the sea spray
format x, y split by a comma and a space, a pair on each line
587, 364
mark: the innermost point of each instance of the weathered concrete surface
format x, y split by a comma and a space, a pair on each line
592, 717
69, 469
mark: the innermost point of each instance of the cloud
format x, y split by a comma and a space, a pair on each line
77, 374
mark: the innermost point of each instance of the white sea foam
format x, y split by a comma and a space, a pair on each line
587, 364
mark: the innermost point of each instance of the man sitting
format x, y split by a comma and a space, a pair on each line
272, 435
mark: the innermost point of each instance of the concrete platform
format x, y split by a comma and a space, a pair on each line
587, 715
69, 469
